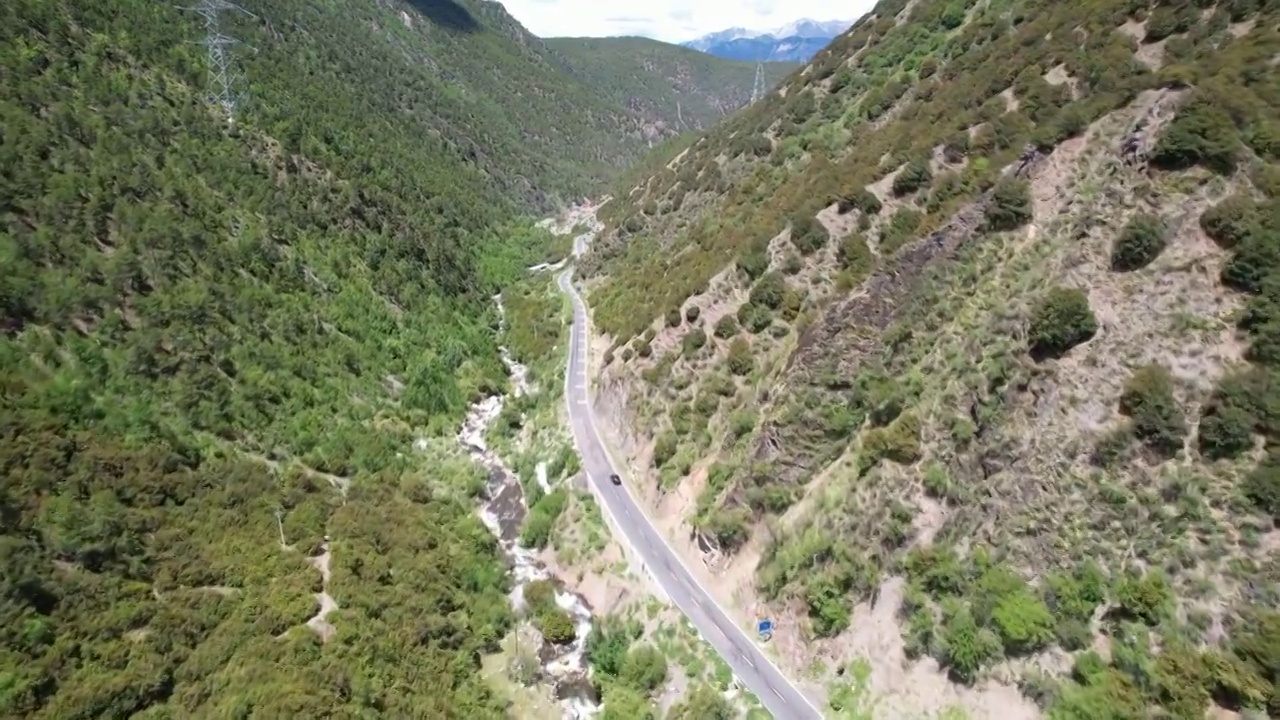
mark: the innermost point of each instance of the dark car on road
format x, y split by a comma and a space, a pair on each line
613, 478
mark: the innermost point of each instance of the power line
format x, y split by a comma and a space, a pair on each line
223, 77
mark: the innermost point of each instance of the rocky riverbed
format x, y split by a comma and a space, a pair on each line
562, 666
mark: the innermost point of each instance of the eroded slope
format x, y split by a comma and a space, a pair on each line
978, 301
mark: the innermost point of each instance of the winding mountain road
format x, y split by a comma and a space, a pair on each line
740, 651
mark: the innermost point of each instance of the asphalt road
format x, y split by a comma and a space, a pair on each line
733, 644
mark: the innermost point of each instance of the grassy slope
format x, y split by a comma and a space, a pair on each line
876, 393
207, 330
652, 77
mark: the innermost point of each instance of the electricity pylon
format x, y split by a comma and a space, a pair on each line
223, 78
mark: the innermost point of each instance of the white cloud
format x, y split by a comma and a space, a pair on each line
671, 20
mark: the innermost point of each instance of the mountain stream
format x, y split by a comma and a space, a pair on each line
504, 510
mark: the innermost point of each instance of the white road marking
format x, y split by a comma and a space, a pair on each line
591, 432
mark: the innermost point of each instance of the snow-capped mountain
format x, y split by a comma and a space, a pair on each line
795, 42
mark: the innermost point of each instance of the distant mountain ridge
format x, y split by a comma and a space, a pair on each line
794, 42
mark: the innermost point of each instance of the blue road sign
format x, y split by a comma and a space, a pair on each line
764, 627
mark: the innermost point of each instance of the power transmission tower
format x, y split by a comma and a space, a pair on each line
223, 78
757, 89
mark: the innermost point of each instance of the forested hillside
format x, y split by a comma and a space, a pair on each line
662, 81
223, 343
973, 319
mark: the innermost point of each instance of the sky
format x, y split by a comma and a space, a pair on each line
671, 20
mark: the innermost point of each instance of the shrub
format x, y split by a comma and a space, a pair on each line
753, 317
1262, 486
1024, 622
739, 360
754, 262
673, 317
607, 645
1165, 21
1256, 642
1140, 243
703, 703
956, 147
855, 256
912, 177
1230, 221
829, 606
966, 647
1201, 134
863, 200
792, 302
898, 441
540, 596
644, 668
692, 313
900, 230
1157, 420
1061, 320
1226, 432
728, 526
1009, 207
664, 449
556, 626
1256, 257
1147, 598
936, 481
541, 520
769, 290
920, 633
807, 234
792, 263
1075, 595
726, 327
1264, 138
693, 341
946, 186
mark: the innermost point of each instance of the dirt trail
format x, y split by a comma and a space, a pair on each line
319, 622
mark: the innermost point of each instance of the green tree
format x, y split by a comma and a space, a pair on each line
1149, 402
807, 234
693, 341
769, 290
915, 175
703, 703
1139, 244
1226, 431
966, 647
1202, 133
726, 327
739, 360
624, 703
1010, 205
1060, 321
556, 626
1023, 622
644, 668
